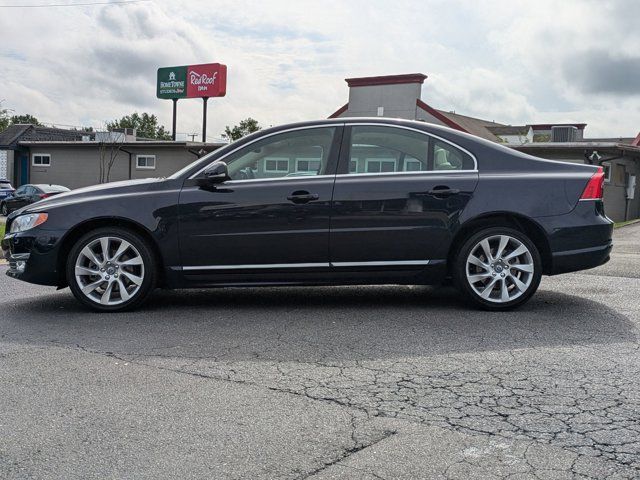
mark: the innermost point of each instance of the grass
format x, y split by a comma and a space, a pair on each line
1, 230
622, 224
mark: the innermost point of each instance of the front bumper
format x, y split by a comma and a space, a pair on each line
33, 256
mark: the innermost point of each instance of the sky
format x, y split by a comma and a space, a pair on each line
511, 61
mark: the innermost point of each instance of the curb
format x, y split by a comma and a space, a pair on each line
629, 223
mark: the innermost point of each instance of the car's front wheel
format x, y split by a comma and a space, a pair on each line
498, 268
111, 269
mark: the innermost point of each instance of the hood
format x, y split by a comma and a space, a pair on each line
93, 191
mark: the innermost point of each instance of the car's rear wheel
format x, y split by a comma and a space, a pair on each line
111, 269
5, 209
498, 268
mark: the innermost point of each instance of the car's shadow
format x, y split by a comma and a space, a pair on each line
313, 324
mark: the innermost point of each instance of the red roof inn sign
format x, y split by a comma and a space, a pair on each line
192, 81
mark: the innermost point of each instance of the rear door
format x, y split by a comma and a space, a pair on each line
397, 197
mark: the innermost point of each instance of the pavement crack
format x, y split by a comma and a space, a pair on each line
347, 453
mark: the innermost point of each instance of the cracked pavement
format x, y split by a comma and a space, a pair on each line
353, 382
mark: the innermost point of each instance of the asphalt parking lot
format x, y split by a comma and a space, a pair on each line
358, 382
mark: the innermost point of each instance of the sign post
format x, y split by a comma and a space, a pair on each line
173, 123
204, 119
192, 81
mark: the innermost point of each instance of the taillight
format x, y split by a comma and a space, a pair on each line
44, 195
593, 190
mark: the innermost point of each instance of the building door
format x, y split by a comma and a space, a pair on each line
24, 169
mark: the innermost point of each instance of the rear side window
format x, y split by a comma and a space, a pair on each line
384, 149
448, 157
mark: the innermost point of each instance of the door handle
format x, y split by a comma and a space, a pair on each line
302, 196
443, 191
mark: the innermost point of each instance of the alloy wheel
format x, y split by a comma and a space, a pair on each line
499, 268
109, 270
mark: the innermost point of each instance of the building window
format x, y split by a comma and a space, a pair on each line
310, 165
41, 160
353, 165
607, 172
146, 162
276, 165
413, 165
380, 165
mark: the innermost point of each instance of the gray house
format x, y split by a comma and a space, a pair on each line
34, 154
399, 96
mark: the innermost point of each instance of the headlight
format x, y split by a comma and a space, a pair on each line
27, 222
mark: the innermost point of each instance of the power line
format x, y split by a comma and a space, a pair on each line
85, 4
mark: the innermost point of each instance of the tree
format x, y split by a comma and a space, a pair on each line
5, 121
146, 125
108, 151
245, 127
25, 119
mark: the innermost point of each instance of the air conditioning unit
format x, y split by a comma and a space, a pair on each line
564, 134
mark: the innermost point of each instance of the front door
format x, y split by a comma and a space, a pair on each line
397, 197
24, 169
272, 215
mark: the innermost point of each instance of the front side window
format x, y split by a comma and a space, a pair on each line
288, 154
21, 190
41, 160
385, 149
145, 162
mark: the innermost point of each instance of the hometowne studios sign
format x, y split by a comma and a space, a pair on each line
192, 81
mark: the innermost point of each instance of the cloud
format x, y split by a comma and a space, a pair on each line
499, 59
600, 71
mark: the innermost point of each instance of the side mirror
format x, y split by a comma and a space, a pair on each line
217, 172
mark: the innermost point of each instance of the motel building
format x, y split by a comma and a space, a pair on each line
35, 154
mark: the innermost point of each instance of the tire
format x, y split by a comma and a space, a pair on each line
499, 280
121, 281
5, 209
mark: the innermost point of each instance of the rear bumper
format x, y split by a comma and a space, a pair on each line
579, 240
581, 259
